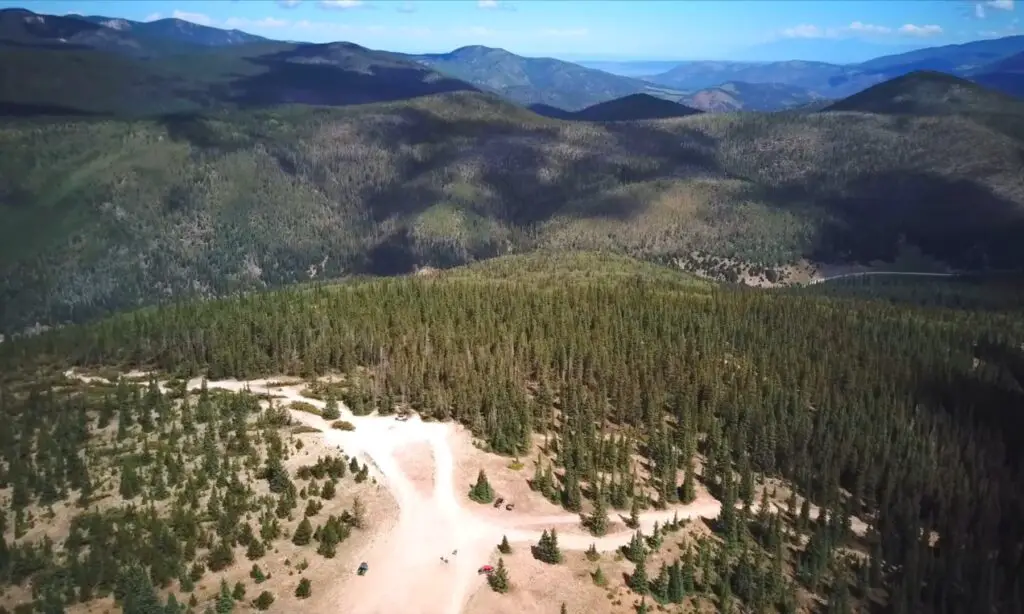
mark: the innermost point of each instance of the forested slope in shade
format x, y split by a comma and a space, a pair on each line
100, 215
912, 410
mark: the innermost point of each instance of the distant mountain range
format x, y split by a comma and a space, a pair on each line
546, 81
833, 81
118, 66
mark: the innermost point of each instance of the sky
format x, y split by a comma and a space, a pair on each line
825, 30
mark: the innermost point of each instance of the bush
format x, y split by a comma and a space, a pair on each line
343, 425
264, 601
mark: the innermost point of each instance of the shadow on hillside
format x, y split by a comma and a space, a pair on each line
198, 131
954, 220
987, 401
286, 82
17, 109
523, 181
680, 152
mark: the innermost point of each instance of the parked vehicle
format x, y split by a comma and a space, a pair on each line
486, 569
363, 568
498, 502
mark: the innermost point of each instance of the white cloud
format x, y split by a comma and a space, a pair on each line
288, 4
492, 5
981, 8
153, 17
920, 31
867, 28
198, 18
859, 28
804, 30
341, 4
407, 7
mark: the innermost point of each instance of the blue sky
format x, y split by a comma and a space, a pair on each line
828, 30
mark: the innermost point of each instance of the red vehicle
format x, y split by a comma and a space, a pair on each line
487, 569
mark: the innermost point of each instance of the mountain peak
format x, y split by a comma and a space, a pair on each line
926, 92
471, 51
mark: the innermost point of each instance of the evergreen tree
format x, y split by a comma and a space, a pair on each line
597, 522
331, 410
675, 591
225, 603
172, 606
689, 488
547, 550
504, 547
135, 591
638, 579
256, 550
599, 578
264, 601
328, 491
304, 589
634, 514
303, 533
481, 492
636, 550
572, 497
498, 579
658, 587
358, 513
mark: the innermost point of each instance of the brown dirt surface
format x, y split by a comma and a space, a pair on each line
416, 460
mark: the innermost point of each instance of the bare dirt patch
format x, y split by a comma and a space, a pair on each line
416, 460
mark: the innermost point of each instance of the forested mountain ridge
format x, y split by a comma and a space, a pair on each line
39, 81
531, 81
97, 215
932, 93
909, 406
635, 107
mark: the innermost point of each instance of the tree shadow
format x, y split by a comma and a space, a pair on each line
285, 81
26, 110
872, 216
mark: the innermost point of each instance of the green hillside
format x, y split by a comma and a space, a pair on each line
103, 214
